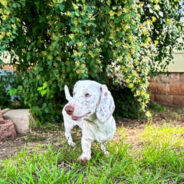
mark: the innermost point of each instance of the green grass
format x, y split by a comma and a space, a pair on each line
148, 164
166, 135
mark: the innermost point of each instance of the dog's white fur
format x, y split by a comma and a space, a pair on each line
94, 105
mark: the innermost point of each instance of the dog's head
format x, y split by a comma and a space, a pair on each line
89, 97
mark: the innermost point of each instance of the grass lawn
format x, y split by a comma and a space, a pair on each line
139, 153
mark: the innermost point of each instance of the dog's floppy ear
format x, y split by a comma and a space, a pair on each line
67, 93
106, 105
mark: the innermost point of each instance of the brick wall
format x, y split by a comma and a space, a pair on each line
168, 90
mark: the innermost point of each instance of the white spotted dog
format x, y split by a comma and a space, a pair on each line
90, 108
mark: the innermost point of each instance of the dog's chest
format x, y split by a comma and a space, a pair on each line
99, 130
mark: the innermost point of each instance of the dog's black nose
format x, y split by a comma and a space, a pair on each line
69, 109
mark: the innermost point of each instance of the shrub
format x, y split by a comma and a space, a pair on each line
126, 104
10, 80
120, 43
5, 98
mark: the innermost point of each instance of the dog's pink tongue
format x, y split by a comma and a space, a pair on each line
75, 118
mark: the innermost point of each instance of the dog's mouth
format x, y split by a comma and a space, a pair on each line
79, 117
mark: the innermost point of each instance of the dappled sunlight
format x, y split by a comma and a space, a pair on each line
156, 136
165, 135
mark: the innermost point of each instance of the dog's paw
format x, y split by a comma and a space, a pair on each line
71, 144
83, 158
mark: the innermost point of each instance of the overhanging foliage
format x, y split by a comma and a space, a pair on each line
120, 43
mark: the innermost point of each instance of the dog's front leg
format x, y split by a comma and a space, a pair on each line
68, 127
69, 137
86, 149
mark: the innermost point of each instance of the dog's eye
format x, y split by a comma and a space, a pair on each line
87, 95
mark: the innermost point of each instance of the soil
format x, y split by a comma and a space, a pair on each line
55, 134
34, 139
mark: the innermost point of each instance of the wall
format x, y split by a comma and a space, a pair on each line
178, 62
169, 90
